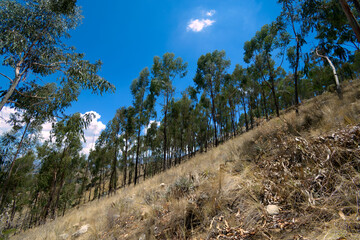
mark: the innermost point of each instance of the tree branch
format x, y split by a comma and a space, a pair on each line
6, 77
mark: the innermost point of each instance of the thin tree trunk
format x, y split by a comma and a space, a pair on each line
55, 207
6, 184
13, 210
338, 87
296, 75
165, 139
298, 46
251, 113
350, 16
125, 162
137, 155
272, 81
13, 86
264, 102
51, 197
246, 120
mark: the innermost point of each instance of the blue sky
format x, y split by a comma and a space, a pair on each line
126, 35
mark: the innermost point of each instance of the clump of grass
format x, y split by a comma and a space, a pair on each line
181, 187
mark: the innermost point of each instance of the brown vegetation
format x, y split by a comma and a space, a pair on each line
308, 166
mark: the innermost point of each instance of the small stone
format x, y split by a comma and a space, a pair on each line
272, 209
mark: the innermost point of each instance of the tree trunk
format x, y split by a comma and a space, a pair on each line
350, 16
272, 81
51, 197
264, 102
246, 121
6, 184
165, 139
125, 162
113, 177
214, 120
296, 77
55, 207
251, 113
13, 210
338, 87
137, 156
13, 86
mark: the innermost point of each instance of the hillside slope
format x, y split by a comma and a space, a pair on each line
293, 177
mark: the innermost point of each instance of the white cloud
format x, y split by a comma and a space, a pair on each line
46, 128
197, 25
149, 125
92, 132
4, 116
210, 13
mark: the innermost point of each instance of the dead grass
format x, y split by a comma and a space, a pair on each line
306, 164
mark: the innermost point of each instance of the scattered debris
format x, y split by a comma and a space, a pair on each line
81, 231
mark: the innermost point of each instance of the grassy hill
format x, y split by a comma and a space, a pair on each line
293, 177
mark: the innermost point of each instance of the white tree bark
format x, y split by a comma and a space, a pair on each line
338, 88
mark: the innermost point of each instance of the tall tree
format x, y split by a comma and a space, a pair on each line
210, 73
241, 79
127, 128
165, 71
262, 45
291, 13
143, 108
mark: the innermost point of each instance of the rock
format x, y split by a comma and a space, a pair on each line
272, 209
81, 231
64, 236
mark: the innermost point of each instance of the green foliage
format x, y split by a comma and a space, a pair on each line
46, 178
32, 40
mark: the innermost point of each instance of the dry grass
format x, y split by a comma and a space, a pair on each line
223, 193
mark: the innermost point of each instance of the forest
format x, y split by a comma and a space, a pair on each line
311, 48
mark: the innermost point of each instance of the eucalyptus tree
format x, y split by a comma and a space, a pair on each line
32, 43
153, 147
19, 185
258, 74
231, 94
292, 15
186, 123
127, 130
99, 161
143, 109
263, 45
239, 75
210, 73
164, 71
60, 157
202, 121
114, 143
335, 37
